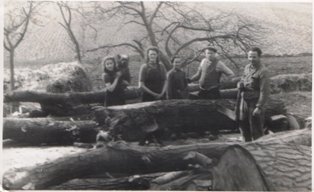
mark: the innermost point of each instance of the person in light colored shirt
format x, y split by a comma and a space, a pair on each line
255, 89
209, 74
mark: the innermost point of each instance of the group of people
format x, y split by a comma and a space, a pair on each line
158, 84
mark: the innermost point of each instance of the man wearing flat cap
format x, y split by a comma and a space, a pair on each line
209, 74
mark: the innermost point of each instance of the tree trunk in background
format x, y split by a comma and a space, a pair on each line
14, 106
282, 166
12, 80
43, 130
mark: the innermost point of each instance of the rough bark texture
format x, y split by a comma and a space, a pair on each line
133, 121
285, 166
137, 182
43, 130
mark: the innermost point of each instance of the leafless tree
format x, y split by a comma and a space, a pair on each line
16, 25
178, 29
66, 13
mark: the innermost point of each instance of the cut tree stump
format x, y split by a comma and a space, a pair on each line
44, 130
285, 166
237, 170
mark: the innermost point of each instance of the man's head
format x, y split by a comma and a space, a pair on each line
210, 53
254, 56
176, 62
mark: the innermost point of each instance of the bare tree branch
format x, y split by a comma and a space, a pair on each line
155, 13
67, 26
137, 49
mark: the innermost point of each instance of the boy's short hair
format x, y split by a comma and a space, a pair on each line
257, 50
211, 49
175, 57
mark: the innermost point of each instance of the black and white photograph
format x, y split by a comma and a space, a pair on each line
156, 95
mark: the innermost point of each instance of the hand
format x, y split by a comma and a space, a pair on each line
119, 74
188, 80
240, 85
158, 96
257, 111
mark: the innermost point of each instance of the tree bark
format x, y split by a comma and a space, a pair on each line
71, 97
136, 182
132, 122
284, 166
43, 130
12, 80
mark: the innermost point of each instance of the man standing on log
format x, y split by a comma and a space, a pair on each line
254, 89
209, 74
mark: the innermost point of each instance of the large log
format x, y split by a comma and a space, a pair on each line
133, 121
284, 166
125, 183
280, 83
49, 131
73, 97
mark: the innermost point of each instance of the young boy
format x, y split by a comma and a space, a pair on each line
176, 80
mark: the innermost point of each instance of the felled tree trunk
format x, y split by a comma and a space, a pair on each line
283, 166
125, 183
133, 121
70, 97
43, 130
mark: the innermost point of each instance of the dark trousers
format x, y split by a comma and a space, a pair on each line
252, 127
209, 94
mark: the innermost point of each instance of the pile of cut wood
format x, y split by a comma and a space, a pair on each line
281, 161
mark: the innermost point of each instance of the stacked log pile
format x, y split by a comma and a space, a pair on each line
281, 161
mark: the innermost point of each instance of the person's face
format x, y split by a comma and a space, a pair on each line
177, 63
109, 64
210, 54
253, 58
152, 55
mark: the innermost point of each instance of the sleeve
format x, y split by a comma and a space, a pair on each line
201, 64
142, 76
224, 69
264, 88
198, 74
